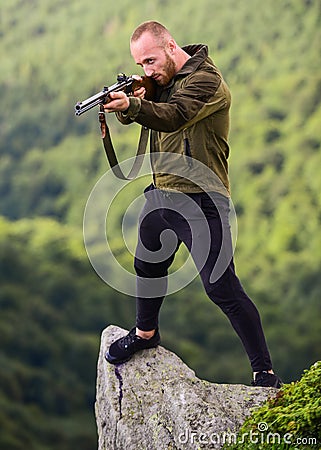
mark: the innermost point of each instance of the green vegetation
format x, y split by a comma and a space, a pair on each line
53, 306
52, 309
292, 418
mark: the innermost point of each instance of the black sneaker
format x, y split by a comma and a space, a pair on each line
123, 349
266, 379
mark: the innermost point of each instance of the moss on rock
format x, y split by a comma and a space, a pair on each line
290, 420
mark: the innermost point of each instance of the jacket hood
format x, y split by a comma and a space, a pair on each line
198, 53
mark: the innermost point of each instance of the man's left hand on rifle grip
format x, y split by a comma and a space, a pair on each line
118, 101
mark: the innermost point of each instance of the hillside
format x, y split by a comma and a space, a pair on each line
52, 304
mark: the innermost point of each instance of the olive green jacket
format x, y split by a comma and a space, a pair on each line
189, 124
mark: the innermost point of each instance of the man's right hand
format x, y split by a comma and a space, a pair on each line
140, 92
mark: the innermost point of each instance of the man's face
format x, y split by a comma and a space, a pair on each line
154, 58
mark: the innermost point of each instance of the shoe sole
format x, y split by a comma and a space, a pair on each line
278, 384
113, 360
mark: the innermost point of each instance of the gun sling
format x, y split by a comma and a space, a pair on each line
110, 151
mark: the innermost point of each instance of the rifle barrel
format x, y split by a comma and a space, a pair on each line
101, 97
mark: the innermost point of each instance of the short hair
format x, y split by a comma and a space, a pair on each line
158, 30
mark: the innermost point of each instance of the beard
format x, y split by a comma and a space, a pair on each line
168, 72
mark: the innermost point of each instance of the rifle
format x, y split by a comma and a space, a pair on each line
128, 85
124, 83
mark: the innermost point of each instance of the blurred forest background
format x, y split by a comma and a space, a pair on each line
53, 306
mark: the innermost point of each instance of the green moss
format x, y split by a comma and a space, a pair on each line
290, 420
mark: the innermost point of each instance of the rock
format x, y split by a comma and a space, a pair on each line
155, 402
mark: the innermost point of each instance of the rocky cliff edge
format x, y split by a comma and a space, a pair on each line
155, 402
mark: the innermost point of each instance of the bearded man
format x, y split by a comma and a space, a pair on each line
189, 121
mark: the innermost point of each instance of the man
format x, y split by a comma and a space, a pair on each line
189, 122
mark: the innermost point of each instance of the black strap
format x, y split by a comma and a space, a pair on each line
110, 151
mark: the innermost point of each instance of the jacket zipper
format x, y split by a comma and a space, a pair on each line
187, 151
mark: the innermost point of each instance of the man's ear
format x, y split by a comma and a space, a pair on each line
171, 45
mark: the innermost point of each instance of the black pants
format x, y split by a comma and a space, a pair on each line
201, 222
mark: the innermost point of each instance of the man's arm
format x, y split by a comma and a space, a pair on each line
197, 91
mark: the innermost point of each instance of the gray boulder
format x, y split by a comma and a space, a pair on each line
155, 402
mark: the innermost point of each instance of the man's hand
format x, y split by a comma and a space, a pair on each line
139, 91
118, 102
